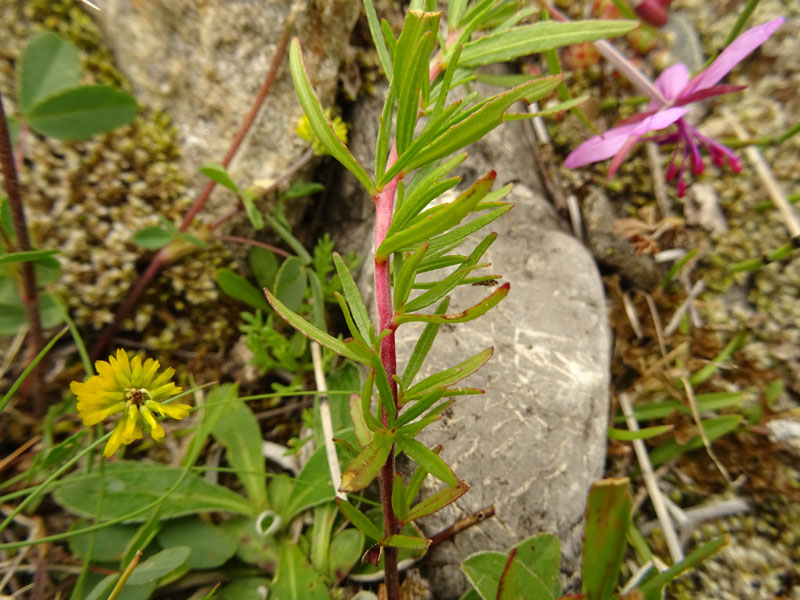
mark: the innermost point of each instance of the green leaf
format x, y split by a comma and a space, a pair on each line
473, 312
399, 504
250, 208
129, 592
49, 64
130, 486
408, 542
406, 275
430, 460
414, 47
295, 579
455, 10
29, 256
160, 564
312, 486
210, 546
145, 533
365, 467
353, 297
519, 582
252, 547
264, 265
436, 502
452, 280
423, 345
153, 238
363, 433
320, 124
710, 401
453, 238
299, 189
344, 553
625, 435
541, 555
437, 220
652, 588
291, 283
359, 519
608, 517
378, 39
109, 542
419, 191
246, 588
281, 227
217, 402
352, 350
217, 173
419, 407
238, 431
470, 129
715, 428
386, 400
82, 112
452, 375
238, 287
538, 37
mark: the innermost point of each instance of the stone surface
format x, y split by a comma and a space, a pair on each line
536, 440
204, 62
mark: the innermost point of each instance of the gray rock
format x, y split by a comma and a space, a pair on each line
204, 62
535, 441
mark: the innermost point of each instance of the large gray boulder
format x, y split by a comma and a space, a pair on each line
204, 62
535, 441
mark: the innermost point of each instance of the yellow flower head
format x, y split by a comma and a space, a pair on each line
305, 131
132, 388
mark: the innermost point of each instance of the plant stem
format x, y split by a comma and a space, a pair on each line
384, 208
162, 257
30, 295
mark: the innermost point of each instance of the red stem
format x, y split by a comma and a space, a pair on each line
30, 294
384, 208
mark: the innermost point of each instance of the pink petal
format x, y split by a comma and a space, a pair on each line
608, 144
715, 90
672, 80
732, 56
620, 156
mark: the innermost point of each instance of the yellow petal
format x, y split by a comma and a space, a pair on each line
136, 371
156, 430
176, 411
114, 441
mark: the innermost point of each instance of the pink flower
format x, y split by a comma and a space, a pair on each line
677, 91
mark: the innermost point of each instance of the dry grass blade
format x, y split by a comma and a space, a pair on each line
706, 442
327, 424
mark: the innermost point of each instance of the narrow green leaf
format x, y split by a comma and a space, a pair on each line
384, 133
399, 505
300, 189
378, 39
365, 467
287, 237
418, 190
352, 350
408, 542
238, 287
217, 173
452, 239
624, 435
436, 220
415, 481
416, 203
385, 395
405, 278
81, 112
413, 429
455, 10
715, 428
363, 434
239, 432
608, 517
348, 319
359, 519
366, 403
709, 401
454, 279
436, 502
29, 256
353, 297
452, 375
253, 214
538, 37
447, 83
424, 456
48, 64
419, 407
654, 585
550, 110
391, 42
291, 283
707, 371
153, 238
320, 124
473, 312
423, 346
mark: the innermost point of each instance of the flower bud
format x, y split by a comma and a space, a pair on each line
652, 12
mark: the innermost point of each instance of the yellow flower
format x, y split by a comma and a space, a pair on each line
132, 388
305, 131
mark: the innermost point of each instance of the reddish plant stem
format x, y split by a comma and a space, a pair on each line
242, 240
384, 208
30, 295
162, 257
